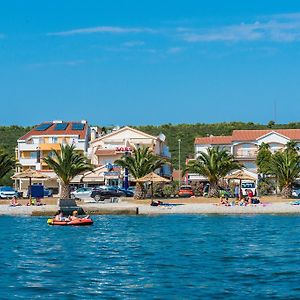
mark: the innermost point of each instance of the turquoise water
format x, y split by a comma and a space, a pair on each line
161, 257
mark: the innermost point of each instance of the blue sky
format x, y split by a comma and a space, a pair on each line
149, 62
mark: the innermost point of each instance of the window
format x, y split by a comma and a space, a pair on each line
54, 140
250, 165
107, 161
51, 154
33, 155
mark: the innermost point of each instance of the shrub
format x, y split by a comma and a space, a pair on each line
266, 187
198, 188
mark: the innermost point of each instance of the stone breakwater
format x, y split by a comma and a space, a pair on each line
124, 208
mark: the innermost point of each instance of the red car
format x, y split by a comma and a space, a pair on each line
185, 191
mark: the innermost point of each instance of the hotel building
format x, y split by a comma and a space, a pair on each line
106, 149
102, 149
244, 145
42, 140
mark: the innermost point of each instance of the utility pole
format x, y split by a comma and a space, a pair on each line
179, 168
275, 111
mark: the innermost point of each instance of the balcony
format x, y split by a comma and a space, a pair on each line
49, 147
28, 147
28, 161
245, 154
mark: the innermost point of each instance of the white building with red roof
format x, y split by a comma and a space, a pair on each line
106, 149
41, 140
244, 144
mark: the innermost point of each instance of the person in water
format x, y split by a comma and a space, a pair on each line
58, 216
74, 216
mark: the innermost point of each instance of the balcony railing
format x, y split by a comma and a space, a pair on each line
28, 161
246, 154
28, 147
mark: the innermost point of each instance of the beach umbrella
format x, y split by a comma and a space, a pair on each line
240, 175
152, 177
30, 174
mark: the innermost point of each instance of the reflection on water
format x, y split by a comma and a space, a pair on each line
163, 257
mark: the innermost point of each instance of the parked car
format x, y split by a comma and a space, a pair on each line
82, 193
48, 192
128, 193
100, 194
185, 191
7, 192
296, 192
248, 186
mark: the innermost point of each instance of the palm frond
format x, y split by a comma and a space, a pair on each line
68, 163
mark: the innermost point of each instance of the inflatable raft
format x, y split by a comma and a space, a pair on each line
79, 222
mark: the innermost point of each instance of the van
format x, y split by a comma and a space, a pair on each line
248, 185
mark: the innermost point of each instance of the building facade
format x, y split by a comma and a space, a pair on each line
106, 149
244, 145
101, 148
42, 140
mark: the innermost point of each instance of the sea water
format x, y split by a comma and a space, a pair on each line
160, 257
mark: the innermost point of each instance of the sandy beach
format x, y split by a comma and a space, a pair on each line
272, 205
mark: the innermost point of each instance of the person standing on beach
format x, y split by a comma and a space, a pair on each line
237, 191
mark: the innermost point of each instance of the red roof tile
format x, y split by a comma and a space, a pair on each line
251, 135
50, 131
246, 135
214, 140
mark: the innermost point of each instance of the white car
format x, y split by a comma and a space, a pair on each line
248, 186
296, 192
7, 192
82, 193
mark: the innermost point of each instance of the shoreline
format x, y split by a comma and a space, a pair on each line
126, 208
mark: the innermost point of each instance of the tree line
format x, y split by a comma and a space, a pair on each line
186, 132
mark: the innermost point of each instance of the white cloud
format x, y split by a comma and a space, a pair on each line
174, 50
70, 63
274, 28
103, 29
280, 28
130, 44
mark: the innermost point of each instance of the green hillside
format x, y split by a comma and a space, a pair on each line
188, 132
185, 132
9, 136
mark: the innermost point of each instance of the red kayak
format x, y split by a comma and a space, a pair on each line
79, 222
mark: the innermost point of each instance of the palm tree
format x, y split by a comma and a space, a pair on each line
263, 159
285, 166
292, 146
213, 165
7, 163
140, 163
67, 163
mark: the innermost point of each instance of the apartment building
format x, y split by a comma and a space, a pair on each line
107, 148
43, 139
244, 145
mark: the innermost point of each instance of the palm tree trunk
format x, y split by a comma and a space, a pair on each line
139, 192
286, 192
65, 191
213, 190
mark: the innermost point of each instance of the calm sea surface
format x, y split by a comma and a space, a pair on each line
161, 257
